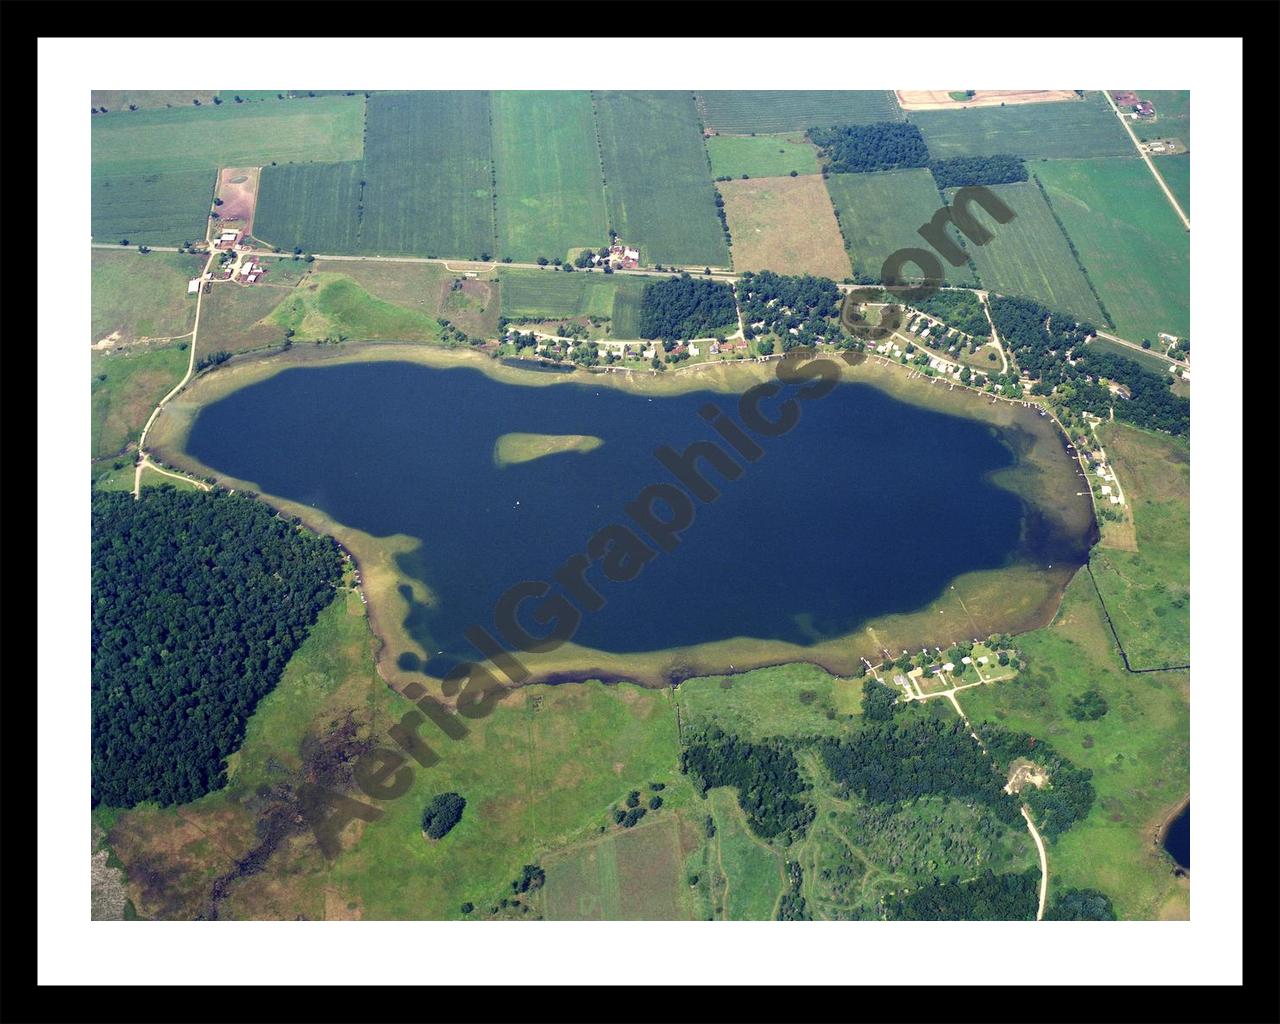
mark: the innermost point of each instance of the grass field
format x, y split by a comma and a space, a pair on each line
752, 870
1176, 171
786, 225
429, 171
550, 193
148, 99
761, 156
151, 207
1173, 116
785, 700
1076, 129
1150, 359
1148, 592
327, 128
1030, 256
745, 111
550, 294
134, 296
881, 212
427, 289
332, 306
234, 319
1129, 238
658, 178
314, 207
131, 385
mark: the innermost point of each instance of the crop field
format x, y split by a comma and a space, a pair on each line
658, 178
743, 112
761, 156
1176, 171
126, 387
1084, 128
786, 225
551, 294
148, 99
327, 128
881, 212
550, 193
1135, 248
313, 207
1030, 257
133, 296
151, 208
428, 167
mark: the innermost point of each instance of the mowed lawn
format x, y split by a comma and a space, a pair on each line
141, 296
428, 170
1133, 244
313, 207
761, 156
151, 208
786, 225
1086, 127
550, 189
658, 178
126, 387
1029, 256
743, 111
882, 212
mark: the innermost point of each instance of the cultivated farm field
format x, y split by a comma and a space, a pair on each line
1030, 257
547, 165
313, 207
881, 212
746, 111
1129, 238
1176, 171
658, 177
786, 225
551, 294
155, 209
1084, 128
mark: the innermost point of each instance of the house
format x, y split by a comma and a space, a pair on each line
631, 254
1115, 499
693, 349
227, 240
193, 286
1106, 488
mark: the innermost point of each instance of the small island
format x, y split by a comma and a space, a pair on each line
512, 449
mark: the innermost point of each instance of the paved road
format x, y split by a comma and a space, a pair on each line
1186, 222
1149, 351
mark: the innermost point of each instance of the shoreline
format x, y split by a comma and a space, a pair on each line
1162, 832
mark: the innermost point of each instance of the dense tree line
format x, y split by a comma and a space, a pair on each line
765, 775
1069, 795
442, 814
956, 308
779, 304
1040, 340
684, 307
878, 701
914, 756
960, 171
1151, 402
989, 897
1080, 905
853, 148
199, 600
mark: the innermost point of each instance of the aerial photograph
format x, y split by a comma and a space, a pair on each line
675, 505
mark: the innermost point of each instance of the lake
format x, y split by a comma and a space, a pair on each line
1177, 840
869, 507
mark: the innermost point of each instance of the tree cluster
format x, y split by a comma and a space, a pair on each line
1088, 706
1002, 169
765, 775
442, 814
989, 897
1080, 905
684, 307
1069, 794
779, 304
958, 308
854, 148
199, 600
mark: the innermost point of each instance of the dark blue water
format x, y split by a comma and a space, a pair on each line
1178, 839
869, 506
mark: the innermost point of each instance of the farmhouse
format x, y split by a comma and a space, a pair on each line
227, 240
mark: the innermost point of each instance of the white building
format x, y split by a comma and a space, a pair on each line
193, 286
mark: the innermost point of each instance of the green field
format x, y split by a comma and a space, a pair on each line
1066, 129
428, 167
152, 208
1030, 256
760, 156
1150, 359
784, 700
1129, 238
745, 111
333, 307
137, 296
314, 207
132, 383
550, 193
551, 294
881, 213
1148, 591
1176, 171
752, 870
658, 178
327, 128
148, 99
1173, 116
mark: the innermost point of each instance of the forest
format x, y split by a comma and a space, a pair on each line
810, 305
765, 774
856, 148
1151, 402
960, 171
989, 897
958, 308
683, 307
1069, 795
199, 598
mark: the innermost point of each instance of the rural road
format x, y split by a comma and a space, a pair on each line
1044, 862
1130, 344
1186, 223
